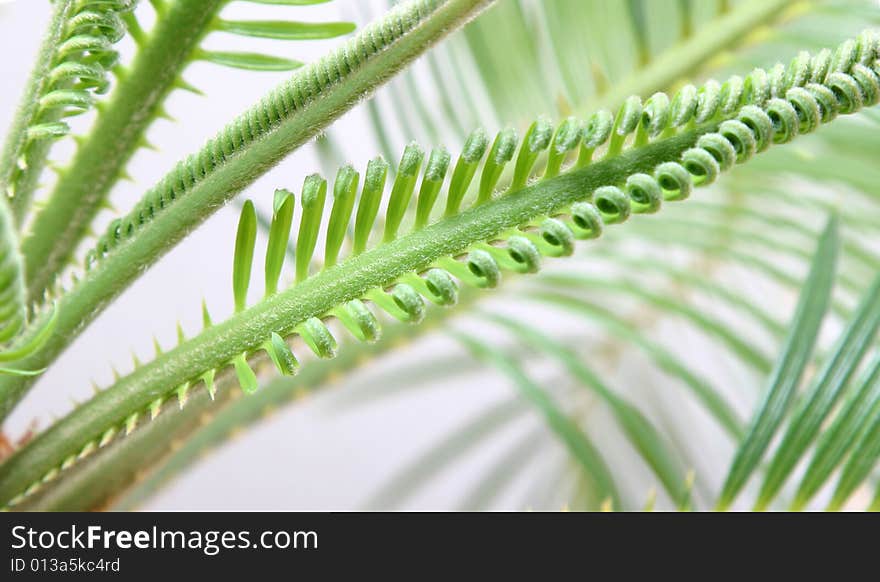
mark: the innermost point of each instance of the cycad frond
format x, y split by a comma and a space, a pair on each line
295, 112
73, 67
138, 100
688, 139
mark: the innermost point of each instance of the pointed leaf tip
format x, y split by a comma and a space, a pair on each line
246, 377
279, 235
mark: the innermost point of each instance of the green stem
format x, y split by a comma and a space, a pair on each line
318, 94
16, 183
314, 297
83, 188
687, 57
143, 461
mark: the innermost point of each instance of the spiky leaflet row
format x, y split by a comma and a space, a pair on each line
172, 43
281, 122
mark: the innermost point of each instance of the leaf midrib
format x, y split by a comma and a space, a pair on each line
320, 293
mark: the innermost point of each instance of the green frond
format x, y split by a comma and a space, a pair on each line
649, 154
851, 436
138, 100
851, 424
862, 460
282, 121
817, 402
73, 66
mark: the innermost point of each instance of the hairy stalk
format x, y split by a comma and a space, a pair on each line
83, 188
143, 461
284, 120
20, 187
73, 66
119, 128
377, 268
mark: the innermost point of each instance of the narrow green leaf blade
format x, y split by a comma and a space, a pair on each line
836, 442
243, 259
866, 453
279, 236
824, 393
796, 353
875, 503
247, 379
575, 440
344, 194
286, 30
249, 61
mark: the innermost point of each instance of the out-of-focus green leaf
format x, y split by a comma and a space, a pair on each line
820, 399
861, 462
286, 30
638, 429
796, 353
837, 441
574, 438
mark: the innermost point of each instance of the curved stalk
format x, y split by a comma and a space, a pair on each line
687, 57
143, 461
20, 189
82, 188
353, 278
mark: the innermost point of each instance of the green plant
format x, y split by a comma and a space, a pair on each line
398, 236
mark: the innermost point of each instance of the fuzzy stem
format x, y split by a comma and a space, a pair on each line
118, 132
142, 461
428, 22
16, 140
315, 296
